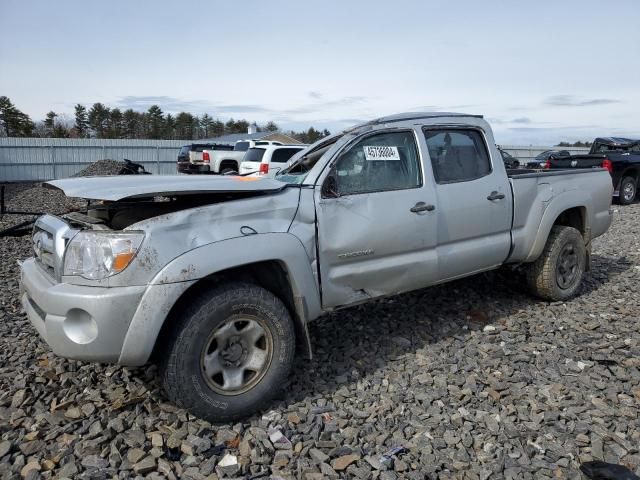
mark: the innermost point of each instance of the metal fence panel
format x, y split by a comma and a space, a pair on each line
525, 154
39, 159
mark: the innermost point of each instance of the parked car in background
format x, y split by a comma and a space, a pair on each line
193, 151
541, 159
268, 160
222, 279
620, 156
229, 162
509, 160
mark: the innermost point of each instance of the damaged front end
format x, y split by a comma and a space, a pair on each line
149, 221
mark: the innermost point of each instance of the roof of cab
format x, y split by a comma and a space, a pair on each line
398, 117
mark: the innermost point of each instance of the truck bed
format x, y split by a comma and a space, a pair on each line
536, 195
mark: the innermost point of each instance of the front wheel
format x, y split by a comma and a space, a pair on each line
628, 191
557, 274
230, 352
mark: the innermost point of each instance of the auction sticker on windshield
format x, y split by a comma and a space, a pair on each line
382, 152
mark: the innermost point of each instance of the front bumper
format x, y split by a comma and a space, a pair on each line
79, 322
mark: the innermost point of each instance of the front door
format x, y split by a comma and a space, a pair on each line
474, 202
376, 220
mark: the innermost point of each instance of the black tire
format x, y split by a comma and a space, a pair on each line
628, 191
550, 277
228, 171
183, 369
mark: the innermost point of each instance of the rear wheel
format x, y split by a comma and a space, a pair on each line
230, 353
628, 191
557, 273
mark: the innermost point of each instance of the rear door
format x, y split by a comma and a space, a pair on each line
474, 201
376, 220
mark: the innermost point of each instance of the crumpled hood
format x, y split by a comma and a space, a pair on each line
135, 186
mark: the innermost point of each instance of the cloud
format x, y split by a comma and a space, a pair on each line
327, 104
170, 104
315, 95
504, 121
573, 101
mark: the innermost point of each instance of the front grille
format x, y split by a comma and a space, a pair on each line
50, 237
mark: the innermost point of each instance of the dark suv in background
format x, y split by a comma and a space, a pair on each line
186, 151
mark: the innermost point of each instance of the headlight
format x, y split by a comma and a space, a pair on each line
95, 255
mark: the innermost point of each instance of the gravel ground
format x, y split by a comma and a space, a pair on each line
472, 379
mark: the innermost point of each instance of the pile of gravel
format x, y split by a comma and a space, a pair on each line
102, 168
472, 379
35, 198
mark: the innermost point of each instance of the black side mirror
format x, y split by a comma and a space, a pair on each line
330, 186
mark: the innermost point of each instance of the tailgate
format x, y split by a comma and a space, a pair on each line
195, 157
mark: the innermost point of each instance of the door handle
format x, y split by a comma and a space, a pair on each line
422, 207
495, 196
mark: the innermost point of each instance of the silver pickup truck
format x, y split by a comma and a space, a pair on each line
216, 278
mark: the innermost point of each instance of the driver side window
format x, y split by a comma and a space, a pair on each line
379, 162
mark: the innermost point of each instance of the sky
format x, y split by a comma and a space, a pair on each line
540, 72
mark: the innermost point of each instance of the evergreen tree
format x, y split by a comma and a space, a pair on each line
99, 119
49, 122
115, 127
130, 120
61, 131
184, 126
271, 127
206, 124
155, 122
217, 129
169, 127
82, 122
13, 122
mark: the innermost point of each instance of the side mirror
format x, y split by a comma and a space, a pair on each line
330, 186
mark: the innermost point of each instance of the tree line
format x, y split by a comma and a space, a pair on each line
100, 121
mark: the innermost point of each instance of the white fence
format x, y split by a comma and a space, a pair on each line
39, 159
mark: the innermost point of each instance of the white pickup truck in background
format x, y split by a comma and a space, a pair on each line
220, 161
269, 159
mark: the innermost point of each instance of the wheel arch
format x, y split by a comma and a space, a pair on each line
571, 213
272, 275
275, 261
632, 171
229, 163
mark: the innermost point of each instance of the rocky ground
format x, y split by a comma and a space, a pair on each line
472, 379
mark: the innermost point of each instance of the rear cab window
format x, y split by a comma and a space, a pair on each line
457, 154
241, 146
